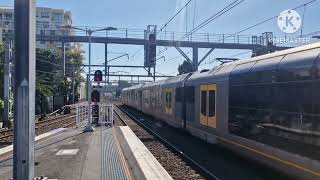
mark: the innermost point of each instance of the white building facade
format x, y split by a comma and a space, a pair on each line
49, 22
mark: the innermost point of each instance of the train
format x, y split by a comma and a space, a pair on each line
266, 108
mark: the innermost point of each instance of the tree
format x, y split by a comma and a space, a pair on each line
50, 80
185, 67
74, 61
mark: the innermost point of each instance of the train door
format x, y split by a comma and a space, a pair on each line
208, 105
168, 100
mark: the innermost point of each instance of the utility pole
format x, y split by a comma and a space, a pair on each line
106, 62
89, 127
108, 81
6, 82
195, 58
73, 84
64, 58
154, 73
89, 32
24, 91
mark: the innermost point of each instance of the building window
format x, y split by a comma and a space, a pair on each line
45, 14
42, 32
65, 33
45, 24
52, 33
0, 16
57, 17
7, 16
58, 25
42, 24
42, 42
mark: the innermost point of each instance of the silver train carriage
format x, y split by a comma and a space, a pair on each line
266, 108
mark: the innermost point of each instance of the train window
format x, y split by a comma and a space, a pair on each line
169, 100
297, 66
265, 70
317, 68
179, 94
190, 94
204, 103
146, 94
241, 74
185, 93
212, 103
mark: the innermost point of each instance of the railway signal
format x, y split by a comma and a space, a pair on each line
150, 47
95, 96
98, 75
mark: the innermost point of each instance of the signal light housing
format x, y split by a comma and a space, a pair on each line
98, 75
95, 96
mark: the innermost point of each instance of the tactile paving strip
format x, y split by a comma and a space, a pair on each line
112, 164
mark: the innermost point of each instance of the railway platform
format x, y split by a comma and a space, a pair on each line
108, 153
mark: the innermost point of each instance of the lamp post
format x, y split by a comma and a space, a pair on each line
89, 128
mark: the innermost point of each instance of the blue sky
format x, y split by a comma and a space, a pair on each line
137, 14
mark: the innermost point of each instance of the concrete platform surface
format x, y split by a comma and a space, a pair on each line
139, 156
107, 153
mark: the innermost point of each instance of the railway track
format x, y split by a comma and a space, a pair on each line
177, 164
213, 158
46, 125
120, 120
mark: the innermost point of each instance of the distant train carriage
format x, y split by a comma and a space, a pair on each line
266, 108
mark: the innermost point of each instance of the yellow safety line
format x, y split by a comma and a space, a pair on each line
272, 157
124, 164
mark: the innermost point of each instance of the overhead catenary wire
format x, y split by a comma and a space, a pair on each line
212, 18
303, 15
194, 13
175, 15
215, 16
242, 53
173, 58
269, 19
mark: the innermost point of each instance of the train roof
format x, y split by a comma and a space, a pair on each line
132, 87
279, 53
222, 72
169, 81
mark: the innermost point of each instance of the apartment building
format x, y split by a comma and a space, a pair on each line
48, 21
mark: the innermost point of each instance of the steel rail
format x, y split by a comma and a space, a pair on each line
207, 174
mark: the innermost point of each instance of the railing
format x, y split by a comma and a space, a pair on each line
106, 113
81, 113
163, 35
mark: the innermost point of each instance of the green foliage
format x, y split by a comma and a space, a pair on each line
50, 80
185, 67
49, 73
